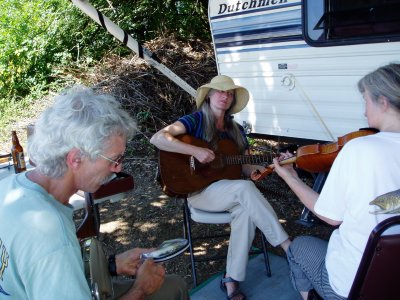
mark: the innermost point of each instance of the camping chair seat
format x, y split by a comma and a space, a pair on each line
201, 216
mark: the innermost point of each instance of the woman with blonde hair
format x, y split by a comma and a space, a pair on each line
366, 167
212, 122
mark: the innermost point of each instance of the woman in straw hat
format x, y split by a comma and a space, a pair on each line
216, 102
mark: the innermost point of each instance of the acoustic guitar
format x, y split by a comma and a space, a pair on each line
182, 174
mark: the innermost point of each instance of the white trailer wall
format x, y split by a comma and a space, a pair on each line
295, 90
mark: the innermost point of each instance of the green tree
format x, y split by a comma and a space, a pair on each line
27, 32
40, 39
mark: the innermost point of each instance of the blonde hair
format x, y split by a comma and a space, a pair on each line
210, 132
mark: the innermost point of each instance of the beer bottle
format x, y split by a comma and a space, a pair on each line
17, 153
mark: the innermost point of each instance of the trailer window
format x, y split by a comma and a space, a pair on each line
333, 22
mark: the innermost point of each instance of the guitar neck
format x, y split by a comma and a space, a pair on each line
245, 159
182, 175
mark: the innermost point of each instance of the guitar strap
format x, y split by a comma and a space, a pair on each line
96, 269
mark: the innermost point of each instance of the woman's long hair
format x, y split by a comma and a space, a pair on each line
210, 132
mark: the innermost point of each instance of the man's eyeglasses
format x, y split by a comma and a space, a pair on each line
116, 162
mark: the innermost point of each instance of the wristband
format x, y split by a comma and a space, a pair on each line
112, 266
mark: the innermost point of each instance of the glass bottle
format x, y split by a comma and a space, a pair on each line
17, 153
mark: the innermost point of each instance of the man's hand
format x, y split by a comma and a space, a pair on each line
149, 278
129, 262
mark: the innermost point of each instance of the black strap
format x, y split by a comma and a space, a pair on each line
125, 41
112, 266
101, 19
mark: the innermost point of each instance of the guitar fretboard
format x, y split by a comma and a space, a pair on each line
245, 159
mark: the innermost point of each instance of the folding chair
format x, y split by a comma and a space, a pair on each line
193, 214
376, 277
113, 190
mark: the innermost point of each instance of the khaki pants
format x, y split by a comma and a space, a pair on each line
249, 209
174, 288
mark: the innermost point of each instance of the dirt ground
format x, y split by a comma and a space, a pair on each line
147, 217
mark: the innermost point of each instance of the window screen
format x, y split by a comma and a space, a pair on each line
327, 22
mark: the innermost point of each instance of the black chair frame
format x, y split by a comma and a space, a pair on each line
381, 252
376, 277
187, 221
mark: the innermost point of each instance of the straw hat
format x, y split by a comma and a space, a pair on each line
224, 83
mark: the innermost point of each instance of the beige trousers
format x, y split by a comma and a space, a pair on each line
249, 209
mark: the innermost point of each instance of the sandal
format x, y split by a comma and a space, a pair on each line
236, 292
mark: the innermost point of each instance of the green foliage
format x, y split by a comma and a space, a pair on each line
142, 116
28, 39
10, 111
47, 44
149, 19
145, 20
39, 39
251, 141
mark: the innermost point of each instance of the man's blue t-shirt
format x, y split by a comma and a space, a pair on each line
40, 253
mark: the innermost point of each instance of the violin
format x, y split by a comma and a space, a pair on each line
319, 157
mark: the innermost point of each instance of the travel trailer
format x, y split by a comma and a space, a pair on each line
301, 60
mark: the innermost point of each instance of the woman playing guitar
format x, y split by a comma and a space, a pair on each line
213, 123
